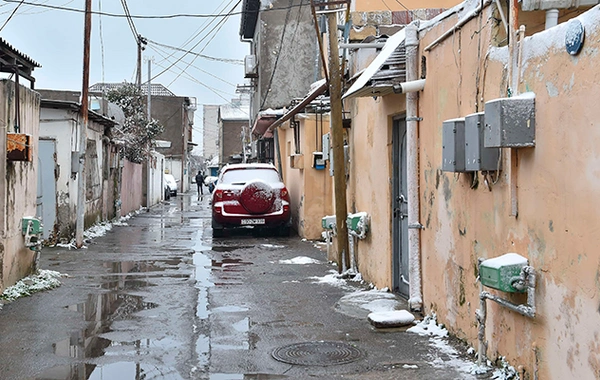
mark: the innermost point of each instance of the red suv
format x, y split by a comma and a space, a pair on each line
250, 195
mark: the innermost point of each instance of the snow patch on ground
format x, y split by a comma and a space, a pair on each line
445, 355
300, 260
273, 246
43, 280
332, 279
98, 230
372, 300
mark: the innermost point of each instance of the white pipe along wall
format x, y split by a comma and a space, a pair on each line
415, 301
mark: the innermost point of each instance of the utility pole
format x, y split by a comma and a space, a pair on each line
141, 41
337, 134
79, 227
149, 89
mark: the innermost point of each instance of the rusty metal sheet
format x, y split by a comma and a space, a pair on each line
18, 147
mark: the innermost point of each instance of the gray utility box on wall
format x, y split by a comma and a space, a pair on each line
453, 148
510, 122
477, 156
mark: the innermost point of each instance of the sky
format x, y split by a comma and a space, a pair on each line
54, 39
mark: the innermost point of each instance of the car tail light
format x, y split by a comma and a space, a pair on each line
284, 193
218, 194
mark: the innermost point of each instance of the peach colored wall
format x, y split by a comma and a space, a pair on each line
369, 186
558, 187
310, 189
387, 5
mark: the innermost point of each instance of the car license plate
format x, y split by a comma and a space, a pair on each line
252, 221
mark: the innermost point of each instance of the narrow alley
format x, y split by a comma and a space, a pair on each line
157, 298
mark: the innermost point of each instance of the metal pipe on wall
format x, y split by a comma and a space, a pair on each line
412, 125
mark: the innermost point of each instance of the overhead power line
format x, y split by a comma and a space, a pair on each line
178, 15
225, 60
11, 15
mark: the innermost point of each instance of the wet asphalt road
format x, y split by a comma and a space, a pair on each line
159, 299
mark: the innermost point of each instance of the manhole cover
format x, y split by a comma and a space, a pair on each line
317, 353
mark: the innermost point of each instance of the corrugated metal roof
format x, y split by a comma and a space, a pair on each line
4, 45
387, 69
250, 9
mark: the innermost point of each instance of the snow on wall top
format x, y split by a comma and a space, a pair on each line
541, 43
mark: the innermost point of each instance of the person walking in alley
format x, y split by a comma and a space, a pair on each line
199, 182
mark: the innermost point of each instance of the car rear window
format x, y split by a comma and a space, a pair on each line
241, 176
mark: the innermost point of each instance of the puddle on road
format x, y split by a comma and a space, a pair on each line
143, 266
230, 248
120, 370
122, 285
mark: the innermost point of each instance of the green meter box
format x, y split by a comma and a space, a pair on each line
328, 222
358, 222
500, 272
36, 225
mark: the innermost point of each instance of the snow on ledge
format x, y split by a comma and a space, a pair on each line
508, 259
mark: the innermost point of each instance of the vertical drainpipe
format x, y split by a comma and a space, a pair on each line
414, 226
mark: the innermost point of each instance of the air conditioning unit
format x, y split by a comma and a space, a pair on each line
250, 66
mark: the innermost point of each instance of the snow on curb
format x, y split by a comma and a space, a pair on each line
43, 280
393, 318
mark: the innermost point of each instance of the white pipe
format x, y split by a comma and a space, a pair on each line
415, 301
362, 45
551, 18
415, 85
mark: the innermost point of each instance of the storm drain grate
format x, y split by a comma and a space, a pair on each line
317, 353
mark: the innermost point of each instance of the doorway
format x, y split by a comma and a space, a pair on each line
46, 189
400, 282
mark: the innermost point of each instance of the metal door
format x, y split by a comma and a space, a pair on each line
46, 188
400, 210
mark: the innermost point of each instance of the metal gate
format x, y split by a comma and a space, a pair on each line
400, 210
46, 188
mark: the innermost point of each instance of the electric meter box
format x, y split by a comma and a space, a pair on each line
510, 122
328, 222
36, 227
500, 272
358, 222
477, 156
453, 145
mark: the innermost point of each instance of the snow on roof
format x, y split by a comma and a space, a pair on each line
390, 46
238, 109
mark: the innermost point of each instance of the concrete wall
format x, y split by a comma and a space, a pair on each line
369, 184
61, 126
231, 138
19, 184
153, 179
131, 187
558, 187
210, 131
310, 189
286, 67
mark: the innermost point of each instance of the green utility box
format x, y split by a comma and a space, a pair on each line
500, 272
36, 226
358, 222
328, 222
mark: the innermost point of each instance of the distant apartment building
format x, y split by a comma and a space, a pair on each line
210, 142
